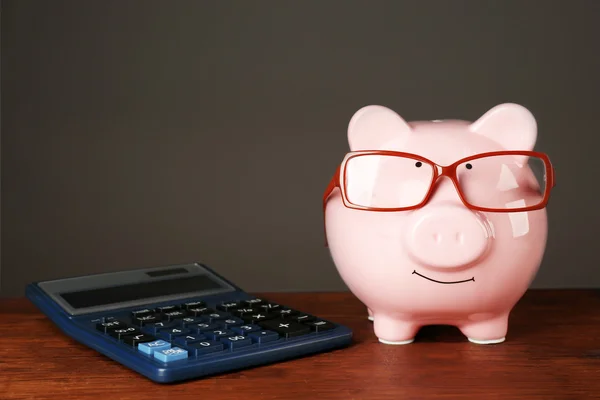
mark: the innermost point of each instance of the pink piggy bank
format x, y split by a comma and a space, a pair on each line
439, 222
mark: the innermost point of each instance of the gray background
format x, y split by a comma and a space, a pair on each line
142, 133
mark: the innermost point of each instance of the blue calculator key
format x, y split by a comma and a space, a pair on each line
246, 329
158, 326
205, 347
170, 355
263, 336
188, 339
231, 322
151, 347
203, 327
172, 333
218, 333
235, 342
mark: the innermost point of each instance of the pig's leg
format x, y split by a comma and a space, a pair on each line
394, 331
370, 314
489, 330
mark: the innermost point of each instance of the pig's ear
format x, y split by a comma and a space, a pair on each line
374, 127
510, 125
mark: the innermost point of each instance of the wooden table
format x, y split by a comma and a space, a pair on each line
552, 352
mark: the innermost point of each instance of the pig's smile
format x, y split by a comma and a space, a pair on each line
446, 283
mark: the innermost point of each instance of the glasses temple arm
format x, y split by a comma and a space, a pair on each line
333, 183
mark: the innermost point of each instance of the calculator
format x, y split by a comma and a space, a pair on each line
181, 322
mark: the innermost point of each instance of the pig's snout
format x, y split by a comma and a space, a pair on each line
446, 237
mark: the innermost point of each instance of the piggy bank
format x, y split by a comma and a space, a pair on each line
439, 222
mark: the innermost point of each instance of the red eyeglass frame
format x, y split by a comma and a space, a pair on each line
448, 171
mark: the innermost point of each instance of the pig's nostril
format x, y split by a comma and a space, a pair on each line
459, 237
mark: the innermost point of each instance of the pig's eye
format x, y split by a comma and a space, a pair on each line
418, 164
469, 166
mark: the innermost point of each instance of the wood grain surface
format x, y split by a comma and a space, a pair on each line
552, 352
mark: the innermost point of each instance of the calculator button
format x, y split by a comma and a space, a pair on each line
173, 315
198, 311
106, 327
158, 326
151, 347
193, 304
188, 321
203, 327
231, 322
285, 327
302, 318
172, 333
235, 342
319, 325
188, 339
216, 316
246, 329
139, 313
257, 317
134, 340
263, 336
119, 333
269, 307
229, 306
218, 333
170, 355
205, 347
166, 309
144, 320
286, 313
244, 311
252, 302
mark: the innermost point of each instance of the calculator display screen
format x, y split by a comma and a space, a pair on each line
138, 291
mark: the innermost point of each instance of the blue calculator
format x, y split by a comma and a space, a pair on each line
181, 322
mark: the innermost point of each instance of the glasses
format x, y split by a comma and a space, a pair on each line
503, 181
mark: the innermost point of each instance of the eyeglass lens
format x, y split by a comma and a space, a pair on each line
499, 181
